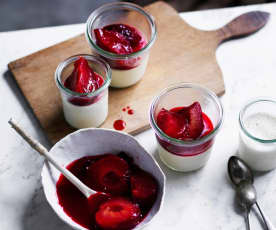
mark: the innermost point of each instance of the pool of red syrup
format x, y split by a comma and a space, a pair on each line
80, 209
193, 150
130, 111
86, 100
119, 124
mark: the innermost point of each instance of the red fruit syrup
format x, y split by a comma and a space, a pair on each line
83, 80
124, 208
119, 124
187, 124
121, 39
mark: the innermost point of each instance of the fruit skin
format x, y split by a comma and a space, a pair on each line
83, 79
118, 214
143, 188
195, 121
171, 123
109, 174
113, 41
184, 123
121, 39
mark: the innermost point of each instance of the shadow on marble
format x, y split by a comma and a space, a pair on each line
25, 105
40, 216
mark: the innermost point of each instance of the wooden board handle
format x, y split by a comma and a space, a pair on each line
243, 25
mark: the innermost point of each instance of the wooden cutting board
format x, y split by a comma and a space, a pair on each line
181, 54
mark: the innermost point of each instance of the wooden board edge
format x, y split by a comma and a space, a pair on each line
46, 136
13, 65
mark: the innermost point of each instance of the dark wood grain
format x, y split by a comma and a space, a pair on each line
244, 25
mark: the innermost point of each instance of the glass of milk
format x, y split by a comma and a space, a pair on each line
257, 146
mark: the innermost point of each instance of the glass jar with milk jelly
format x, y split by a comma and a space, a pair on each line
257, 145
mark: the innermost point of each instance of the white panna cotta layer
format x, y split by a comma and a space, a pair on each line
125, 78
86, 116
183, 163
259, 156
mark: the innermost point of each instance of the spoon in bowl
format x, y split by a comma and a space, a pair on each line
242, 177
86, 191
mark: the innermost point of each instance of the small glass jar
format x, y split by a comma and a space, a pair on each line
189, 155
84, 110
127, 69
257, 145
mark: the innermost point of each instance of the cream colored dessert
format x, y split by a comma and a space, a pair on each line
260, 155
86, 116
125, 78
183, 163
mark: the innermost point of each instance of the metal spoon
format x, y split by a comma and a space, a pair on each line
246, 195
238, 171
44, 152
242, 177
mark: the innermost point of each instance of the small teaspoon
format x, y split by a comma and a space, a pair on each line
242, 177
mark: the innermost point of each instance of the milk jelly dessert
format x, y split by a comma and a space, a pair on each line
131, 192
185, 118
83, 82
257, 146
122, 33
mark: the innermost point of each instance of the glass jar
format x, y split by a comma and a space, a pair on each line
187, 155
84, 110
127, 69
257, 145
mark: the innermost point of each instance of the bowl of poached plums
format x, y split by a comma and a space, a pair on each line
109, 162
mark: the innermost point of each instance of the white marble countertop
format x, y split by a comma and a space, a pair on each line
200, 200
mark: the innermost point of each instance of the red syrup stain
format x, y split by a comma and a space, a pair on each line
83, 211
124, 109
119, 124
130, 111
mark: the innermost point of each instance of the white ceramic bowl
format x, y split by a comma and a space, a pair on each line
93, 141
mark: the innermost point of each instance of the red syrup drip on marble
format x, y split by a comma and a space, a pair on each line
119, 124
130, 111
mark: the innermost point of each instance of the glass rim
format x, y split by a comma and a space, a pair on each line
70, 60
123, 5
241, 122
163, 135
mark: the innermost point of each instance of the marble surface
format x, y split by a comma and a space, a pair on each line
199, 200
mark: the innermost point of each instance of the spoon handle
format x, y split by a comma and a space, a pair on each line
44, 152
267, 222
247, 219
